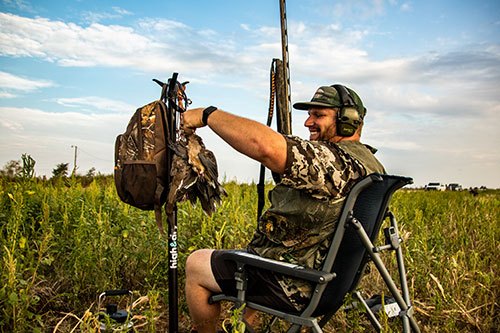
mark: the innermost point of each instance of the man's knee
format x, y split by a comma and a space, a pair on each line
198, 262
199, 270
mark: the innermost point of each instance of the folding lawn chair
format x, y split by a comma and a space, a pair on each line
364, 211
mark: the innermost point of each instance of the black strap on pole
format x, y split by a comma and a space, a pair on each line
272, 95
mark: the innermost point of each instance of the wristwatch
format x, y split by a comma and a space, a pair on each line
207, 112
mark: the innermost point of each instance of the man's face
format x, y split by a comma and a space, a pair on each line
321, 124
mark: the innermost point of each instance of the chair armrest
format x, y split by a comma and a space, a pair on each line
284, 268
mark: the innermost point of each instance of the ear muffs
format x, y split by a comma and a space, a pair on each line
348, 117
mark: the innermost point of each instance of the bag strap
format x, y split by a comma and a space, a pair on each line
159, 187
272, 95
165, 127
159, 219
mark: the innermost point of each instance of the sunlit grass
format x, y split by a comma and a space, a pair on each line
62, 243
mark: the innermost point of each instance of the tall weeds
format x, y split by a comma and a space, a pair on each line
62, 243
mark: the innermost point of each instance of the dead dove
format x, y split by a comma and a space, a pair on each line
194, 175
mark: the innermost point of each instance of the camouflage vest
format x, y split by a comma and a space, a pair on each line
298, 228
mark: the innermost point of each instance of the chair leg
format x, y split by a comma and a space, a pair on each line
406, 309
371, 316
402, 273
241, 287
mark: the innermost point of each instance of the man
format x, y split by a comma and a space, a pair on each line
316, 175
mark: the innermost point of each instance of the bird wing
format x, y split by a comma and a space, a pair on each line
182, 177
207, 158
194, 175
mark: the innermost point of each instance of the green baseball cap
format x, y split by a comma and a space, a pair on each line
328, 96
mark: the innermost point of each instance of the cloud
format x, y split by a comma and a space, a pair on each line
69, 124
4, 94
95, 45
406, 7
359, 10
48, 137
10, 82
11, 124
18, 4
323, 52
96, 103
155, 45
94, 17
121, 11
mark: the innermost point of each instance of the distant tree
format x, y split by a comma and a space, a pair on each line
61, 170
11, 169
28, 170
90, 173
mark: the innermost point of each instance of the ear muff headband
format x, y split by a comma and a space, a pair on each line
348, 118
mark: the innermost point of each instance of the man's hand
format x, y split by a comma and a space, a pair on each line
192, 119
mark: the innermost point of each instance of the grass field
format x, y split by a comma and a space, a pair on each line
63, 243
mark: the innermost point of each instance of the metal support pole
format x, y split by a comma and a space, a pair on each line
173, 292
406, 309
173, 284
369, 312
402, 270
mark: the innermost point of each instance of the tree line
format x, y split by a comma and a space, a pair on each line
25, 169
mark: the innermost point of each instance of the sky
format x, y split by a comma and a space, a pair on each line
73, 72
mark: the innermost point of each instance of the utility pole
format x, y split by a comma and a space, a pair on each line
74, 161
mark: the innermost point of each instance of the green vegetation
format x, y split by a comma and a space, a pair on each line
65, 240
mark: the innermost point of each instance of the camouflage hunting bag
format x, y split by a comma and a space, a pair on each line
141, 159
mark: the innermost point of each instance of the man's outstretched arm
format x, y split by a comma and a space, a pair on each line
247, 136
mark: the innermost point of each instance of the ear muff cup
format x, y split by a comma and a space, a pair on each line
348, 121
348, 117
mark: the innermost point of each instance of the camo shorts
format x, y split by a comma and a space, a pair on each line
262, 286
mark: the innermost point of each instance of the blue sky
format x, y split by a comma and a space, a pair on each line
73, 72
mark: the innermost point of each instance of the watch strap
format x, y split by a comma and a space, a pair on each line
207, 112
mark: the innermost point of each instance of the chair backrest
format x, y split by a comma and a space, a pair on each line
368, 201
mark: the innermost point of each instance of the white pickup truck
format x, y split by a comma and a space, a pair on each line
435, 187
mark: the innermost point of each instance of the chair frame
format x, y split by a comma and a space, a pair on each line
321, 278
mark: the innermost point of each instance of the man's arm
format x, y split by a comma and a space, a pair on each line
247, 136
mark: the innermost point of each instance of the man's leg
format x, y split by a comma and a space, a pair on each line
200, 285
